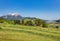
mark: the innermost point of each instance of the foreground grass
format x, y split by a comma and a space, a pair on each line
28, 33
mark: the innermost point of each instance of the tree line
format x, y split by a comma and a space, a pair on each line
31, 22
26, 21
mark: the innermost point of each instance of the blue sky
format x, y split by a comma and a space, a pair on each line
44, 9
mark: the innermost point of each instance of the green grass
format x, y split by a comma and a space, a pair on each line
28, 33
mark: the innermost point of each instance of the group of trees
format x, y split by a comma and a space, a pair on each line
3, 20
31, 22
25, 21
58, 21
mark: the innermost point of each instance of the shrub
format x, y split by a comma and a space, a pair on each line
0, 28
29, 23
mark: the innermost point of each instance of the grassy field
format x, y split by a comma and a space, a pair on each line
10, 32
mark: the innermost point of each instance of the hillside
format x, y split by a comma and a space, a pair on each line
10, 32
27, 29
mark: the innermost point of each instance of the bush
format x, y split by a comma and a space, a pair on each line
29, 23
0, 28
16, 21
44, 24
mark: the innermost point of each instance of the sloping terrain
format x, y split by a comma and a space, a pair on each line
28, 33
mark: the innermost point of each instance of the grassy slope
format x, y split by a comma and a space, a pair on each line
28, 33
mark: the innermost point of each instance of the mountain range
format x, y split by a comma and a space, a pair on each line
18, 17
12, 16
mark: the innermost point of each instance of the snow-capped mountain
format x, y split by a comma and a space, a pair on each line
12, 16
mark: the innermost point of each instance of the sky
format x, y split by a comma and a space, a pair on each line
43, 9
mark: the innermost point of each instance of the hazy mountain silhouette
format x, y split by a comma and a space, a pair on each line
12, 16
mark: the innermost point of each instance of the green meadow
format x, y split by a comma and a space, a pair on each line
10, 32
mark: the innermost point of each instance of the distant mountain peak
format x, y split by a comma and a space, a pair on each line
12, 16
